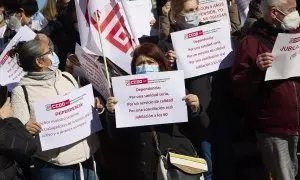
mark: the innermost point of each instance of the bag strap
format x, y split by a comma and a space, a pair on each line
156, 142
267, 42
26, 97
26, 92
69, 79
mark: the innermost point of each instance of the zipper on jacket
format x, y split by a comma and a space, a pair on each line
297, 103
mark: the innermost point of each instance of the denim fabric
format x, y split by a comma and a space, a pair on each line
45, 171
204, 151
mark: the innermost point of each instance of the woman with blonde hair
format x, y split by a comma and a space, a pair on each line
50, 10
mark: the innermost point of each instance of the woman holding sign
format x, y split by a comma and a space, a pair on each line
43, 80
185, 15
136, 155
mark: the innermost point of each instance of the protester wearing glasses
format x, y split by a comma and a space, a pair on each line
42, 81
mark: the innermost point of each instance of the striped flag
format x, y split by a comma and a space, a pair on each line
116, 36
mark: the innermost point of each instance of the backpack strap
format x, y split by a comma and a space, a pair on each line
69, 79
267, 42
26, 97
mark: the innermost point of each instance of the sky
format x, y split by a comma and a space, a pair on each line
41, 3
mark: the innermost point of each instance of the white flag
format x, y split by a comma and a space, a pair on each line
115, 32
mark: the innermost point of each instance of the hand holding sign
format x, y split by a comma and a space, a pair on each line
192, 101
264, 61
33, 127
171, 56
111, 103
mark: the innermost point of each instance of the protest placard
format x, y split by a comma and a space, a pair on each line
93, 72
67, 119
10, 71
150, 99
203, 49
213, 10
140, 13
287, 53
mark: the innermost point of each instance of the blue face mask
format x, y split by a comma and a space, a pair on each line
143, 69
55, 61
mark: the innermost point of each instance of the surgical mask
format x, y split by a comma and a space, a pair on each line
291, 21
14, 23
190, 20
55, 61
143, 69
38, 22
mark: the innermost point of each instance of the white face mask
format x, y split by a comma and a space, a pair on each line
291, 21
55, 61
14, 23
190, 20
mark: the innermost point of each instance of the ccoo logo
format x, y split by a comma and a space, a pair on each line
136, 82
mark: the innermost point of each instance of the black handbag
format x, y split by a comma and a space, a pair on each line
173, 166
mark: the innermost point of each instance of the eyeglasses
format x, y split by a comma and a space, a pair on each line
46, 53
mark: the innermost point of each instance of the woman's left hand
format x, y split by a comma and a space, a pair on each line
192, 101
98, 104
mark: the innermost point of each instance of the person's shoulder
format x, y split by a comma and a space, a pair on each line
65, 73
68, 77
17, 90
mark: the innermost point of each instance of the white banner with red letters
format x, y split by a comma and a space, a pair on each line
203, 49
150, 99
213, 10
287, 54
93, 71
67, 119
10, 71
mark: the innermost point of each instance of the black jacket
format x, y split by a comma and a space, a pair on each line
55, 31
196, 128
134, 153
16, 145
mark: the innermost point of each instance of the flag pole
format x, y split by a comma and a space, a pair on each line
102, 49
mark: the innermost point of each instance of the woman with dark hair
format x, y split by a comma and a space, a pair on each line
44, 81
136, 156
149, 51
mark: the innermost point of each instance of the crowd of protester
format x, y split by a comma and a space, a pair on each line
229, 105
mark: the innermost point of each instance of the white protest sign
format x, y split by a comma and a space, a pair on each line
213, 10
141, 14
203, 49
287, 53
93, 72
67, 119
150, 99
10, 71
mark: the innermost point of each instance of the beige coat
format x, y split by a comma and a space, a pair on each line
41, 86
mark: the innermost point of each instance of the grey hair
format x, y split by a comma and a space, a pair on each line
26, 53
267, 4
